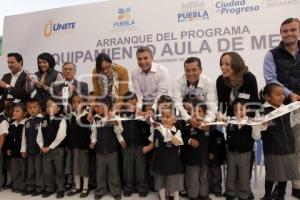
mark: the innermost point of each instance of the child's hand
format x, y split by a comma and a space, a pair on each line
24, 154
8, 152
114, 122
92, 145
148, 148
175, 141
45, 149
194, 143
145, 150
204, 127
211, 156
123, 144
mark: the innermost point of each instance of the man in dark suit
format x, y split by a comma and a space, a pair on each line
74, 86
12, 85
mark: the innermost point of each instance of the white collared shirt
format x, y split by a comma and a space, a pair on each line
117, 129
60, 136
167, 134
205, 91
14, 78
150, 86
4, 125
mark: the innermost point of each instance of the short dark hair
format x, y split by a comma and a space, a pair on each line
69, 63
289, 20
144, 49
33, 100
194, 59
241, 101
129, 96
18, 56
20, 105
105, 100
165, 99
268, 89
100, 59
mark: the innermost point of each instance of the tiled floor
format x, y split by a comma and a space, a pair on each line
258, 189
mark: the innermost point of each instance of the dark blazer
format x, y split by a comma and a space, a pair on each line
18, 92
82, 88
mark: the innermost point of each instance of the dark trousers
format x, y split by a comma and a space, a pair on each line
238, 179
108, 169
19, 173
214, 175
134, 169
35, 173
54, 173
196, 181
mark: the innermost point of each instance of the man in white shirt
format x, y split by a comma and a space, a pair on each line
193, 82
149, 80
12, 85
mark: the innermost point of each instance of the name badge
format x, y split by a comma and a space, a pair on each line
244, 96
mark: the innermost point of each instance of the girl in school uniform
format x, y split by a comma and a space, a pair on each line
165, 140
278, 143
78, 139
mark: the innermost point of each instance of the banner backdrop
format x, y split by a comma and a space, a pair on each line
174, 30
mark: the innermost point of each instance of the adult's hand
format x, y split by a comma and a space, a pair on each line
294, 97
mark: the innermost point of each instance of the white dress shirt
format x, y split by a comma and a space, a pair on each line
204, 91
150, 86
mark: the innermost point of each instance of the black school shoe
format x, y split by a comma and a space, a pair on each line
47, 194
84, 193
27, 192
127, 193
296, 193
37, 193
143, 194
60, 195
266, 198
97, 197
117, 197
73, 192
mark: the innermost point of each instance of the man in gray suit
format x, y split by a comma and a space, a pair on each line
75, 86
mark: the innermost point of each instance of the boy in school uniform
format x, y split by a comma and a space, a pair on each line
4, 125
50, 138
217, 157
196, 156
104, 138
31, 150
14, 139
134, 163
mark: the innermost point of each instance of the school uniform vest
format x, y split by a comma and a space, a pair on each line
78, 136
166, 156
133, 130
216, 146
49, 131
278, 139
31, 131
287, 68
239, 140
3, 118
199, 155
106, 138
15, 139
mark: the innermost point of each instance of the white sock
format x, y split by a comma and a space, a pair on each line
162, 194
85, 183
176, 195
77, 182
